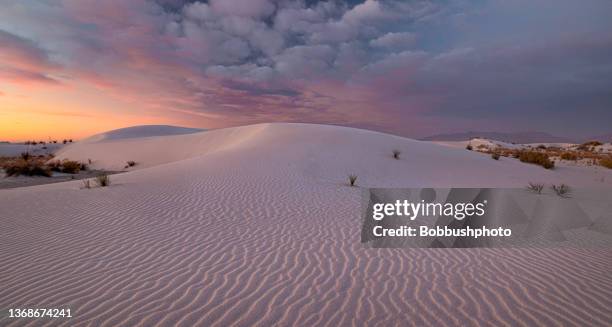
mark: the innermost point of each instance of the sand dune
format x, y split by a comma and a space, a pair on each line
255, 226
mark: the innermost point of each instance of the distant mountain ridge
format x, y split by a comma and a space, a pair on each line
520, 137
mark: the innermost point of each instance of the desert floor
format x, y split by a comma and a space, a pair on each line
256, 226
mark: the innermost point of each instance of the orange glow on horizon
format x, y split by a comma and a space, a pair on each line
57, 113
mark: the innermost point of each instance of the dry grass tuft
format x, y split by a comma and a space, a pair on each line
535, 187
86, 183
352, 179
606, 162
103, 180
538, 158
30, 167
569, 156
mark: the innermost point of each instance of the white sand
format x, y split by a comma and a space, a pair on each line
255, 225
15, 149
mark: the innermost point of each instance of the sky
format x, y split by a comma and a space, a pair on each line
73, 68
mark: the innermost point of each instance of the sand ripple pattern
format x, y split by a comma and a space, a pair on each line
211, 242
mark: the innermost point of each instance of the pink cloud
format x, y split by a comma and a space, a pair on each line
22, 61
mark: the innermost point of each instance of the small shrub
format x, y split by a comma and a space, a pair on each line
495, 156
131, 163
606, 162
55, 166
569, 156
352, 179
71, 167
535, 187
25, 155
469, 147
396, 154
103, 180
561, 190
26, 168
542, 147
588, 145
537, 158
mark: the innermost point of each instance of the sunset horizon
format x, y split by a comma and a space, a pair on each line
413, 69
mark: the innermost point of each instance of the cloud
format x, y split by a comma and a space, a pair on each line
251, 8
443, 65
23, 61
400, 40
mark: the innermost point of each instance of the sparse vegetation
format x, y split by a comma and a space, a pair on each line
561, 190
30, 167
103, 180
25, 155
569, 156
538, 158
396, 154
588, 146
495, 156
67, 166
71, 167
130, 164
606, 162
352, 179
469, 147
535, 187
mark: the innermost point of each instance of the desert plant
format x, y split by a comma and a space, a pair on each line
55, 166
26, 168
25, 155
71, 167
86, 183
103, 180
535, 187
469, 147
537, 158
606, 162
569, 156
561, 190
396, 154
352, 179
495, 156
587, 146
131, 163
